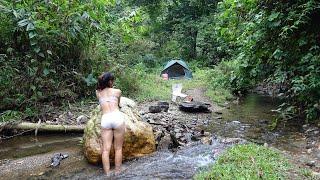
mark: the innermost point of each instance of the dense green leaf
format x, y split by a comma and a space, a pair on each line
23, 22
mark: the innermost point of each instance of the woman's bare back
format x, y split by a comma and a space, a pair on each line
109, 99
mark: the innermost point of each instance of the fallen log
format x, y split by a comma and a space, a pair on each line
44, 127
195, 106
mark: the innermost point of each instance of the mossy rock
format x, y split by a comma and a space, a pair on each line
139, 138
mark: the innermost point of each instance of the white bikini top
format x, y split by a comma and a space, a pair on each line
108, 99
112, 98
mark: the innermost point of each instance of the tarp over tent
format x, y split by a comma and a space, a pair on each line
177, 69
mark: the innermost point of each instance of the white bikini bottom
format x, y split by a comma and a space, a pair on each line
112, 120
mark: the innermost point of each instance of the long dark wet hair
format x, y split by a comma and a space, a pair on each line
104, 81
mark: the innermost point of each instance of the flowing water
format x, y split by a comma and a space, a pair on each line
182, 164
250, 119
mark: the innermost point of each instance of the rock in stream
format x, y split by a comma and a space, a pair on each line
139, 137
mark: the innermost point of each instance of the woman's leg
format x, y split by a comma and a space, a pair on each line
118, 142
106, 135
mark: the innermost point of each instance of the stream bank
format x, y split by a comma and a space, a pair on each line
247, 119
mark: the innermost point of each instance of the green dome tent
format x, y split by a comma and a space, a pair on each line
177, 69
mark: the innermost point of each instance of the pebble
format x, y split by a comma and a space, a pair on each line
206, 140
309, 151
206, 134
236, 122
311, 129
263, 121
188, 136
313, 143
231, 140
311, 163
309, 146
49, 122
81, 119
305, 126
69, 114
150, 121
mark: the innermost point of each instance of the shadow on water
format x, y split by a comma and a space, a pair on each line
23, 146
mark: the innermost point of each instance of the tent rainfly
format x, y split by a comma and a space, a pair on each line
177, 69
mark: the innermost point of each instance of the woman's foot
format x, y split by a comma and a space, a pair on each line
109, 173
120, 170
117, 171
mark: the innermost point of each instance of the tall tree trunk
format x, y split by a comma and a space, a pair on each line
190, 43
193, 43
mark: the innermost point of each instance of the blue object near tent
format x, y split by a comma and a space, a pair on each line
177, 69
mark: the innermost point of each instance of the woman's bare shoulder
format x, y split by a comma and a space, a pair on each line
118, 91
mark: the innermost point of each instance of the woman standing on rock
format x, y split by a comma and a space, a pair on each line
112, 121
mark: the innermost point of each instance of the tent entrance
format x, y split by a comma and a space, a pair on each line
176, 70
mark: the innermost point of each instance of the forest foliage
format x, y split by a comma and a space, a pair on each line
53, 50
44, 49
277, 43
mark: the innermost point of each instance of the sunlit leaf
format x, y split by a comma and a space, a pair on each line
23, 22
30, 27
46, 71
273, 16
41, 55
32, 34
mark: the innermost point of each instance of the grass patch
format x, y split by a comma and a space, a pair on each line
10, 116
250, 161
219, 95
152, 87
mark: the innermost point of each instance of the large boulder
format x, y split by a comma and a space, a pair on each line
139, 138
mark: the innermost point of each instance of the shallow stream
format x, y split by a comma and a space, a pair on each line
250, 119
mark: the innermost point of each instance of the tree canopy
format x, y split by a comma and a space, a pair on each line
54, 49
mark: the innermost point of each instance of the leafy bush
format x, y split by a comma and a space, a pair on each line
45, 50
